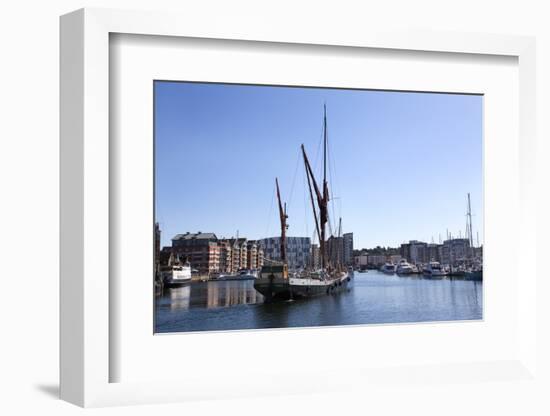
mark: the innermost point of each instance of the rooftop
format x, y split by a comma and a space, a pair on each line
196, 236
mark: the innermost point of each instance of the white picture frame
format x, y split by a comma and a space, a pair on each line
86, 355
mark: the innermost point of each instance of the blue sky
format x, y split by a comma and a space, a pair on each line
401, 163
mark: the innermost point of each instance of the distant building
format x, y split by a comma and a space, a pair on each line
417, 253
315, 259
255, 255
208, 254
456, 251
348, 249
361, 261
376, 260
405, 251
478, 253
226, 265
298, 250
433, 252
335, 250
201, 250
395, 258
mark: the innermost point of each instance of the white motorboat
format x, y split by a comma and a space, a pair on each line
388, 268
175, 273
434, 269
403, 267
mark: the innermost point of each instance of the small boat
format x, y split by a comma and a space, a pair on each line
434, 269
175, 273
456, 271
388, 268
403, 267
244, 274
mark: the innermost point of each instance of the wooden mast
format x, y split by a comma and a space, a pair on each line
308, 168
323, 208
284, 226
322, 198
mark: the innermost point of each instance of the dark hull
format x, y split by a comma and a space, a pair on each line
223, 279
175, 283
282, 290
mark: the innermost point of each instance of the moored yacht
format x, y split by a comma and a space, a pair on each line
388, 268
403, 267
433, 269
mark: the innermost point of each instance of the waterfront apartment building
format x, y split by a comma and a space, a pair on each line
405, 251
226, 252
361, 261
254, 256
298, 250
417, 251
433, 252
200, 249
315, 259
376, 260
456, 251
348, 249
240, 253
335, 250
208, 254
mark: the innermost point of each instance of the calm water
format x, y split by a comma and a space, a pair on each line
372, 298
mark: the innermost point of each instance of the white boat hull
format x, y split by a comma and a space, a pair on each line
173, 278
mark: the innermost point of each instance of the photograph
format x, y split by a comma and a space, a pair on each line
299, 207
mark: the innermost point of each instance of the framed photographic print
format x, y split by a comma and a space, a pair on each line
283, 207
220, 147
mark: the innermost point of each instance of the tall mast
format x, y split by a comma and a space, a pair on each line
470, 222
322, 197
324, 205
322, 208
470, 227
325, 147
306, 162
284, 226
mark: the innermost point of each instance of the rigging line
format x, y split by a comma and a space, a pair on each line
293, 181
269, 215
336, 183
321, 138
305, 200
329, 151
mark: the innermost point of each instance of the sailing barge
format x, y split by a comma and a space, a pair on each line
274, 281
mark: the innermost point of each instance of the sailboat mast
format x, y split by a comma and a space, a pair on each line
311, 196
325, 148
284, 226
324, 203
470, 221
322, 197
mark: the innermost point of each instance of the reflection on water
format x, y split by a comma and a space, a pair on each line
210, 295
179, 298
371, 298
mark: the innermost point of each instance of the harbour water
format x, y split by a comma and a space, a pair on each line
372, 298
